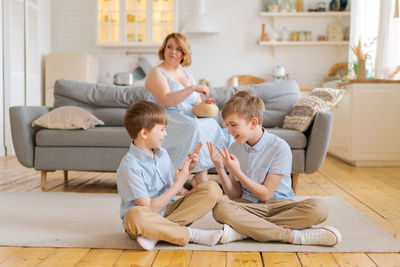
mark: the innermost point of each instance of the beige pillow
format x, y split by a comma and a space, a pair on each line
303, 112
68, 117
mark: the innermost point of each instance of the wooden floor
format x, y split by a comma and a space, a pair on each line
373, 191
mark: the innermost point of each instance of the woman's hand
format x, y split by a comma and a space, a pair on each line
202, 89
209, 101
215, 158
230, 161
194, 157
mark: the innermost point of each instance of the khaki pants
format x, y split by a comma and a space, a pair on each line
171, 228
270, 221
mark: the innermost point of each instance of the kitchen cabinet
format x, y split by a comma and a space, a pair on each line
366, 127
142, 23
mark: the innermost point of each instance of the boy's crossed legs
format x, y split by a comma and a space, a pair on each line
149, 227
275, 220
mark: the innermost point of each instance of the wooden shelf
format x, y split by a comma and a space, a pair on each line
275, 15
298, 43
274, 44
305, 14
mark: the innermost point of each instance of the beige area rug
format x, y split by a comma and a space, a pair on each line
92, 220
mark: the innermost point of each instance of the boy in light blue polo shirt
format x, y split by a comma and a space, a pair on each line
148, 185
261, 202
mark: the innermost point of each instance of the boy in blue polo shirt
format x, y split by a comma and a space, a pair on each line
261, 202
148, 185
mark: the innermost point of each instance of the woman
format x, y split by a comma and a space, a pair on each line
174, 88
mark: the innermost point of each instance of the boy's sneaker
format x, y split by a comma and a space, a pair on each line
321, 236
230, 235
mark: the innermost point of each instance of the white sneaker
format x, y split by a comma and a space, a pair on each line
230, 235
321, 236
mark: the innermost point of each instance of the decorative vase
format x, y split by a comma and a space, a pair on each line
334, 5
343, 5
285, 34
263, 34
361, 70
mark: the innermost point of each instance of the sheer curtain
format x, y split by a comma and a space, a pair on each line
364, 26
388, 43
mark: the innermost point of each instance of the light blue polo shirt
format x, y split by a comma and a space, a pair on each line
140, 175
271, 154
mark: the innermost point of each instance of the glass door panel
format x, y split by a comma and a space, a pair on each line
158, 34
114, 5
103, 5
141, 5
131, 33
136, 21
114, 34
169, 17
141, 34
130, 4
157, 17
103, 34
168, 5
114, 17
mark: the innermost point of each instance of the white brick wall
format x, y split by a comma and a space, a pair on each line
216, 57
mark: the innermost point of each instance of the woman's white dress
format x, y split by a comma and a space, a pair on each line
184, 130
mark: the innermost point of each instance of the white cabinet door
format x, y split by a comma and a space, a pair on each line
366, 126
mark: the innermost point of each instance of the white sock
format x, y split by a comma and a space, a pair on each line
296, 237
204, 237
146, 243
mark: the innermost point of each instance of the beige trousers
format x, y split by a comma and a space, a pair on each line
171, 228
270, 221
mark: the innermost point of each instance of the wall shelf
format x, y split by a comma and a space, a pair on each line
274, 44
305, 14
275, 15
306, 43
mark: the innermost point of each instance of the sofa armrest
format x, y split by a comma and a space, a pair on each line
318, 141
22, 132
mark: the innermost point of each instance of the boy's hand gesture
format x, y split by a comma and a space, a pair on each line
194, 157
181, 174
215, 158
229, 160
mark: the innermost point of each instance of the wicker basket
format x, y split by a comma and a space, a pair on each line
205, 110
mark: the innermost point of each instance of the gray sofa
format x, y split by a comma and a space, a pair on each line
101, 148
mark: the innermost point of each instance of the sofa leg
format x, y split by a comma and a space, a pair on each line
43, 176
65, 176
295, 181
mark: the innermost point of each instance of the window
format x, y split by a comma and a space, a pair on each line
135, 22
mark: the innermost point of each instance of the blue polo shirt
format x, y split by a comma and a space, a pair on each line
140, 175
271, 154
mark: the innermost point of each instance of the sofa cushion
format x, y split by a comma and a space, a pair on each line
295, 139
107, 102
96, 137
278, 97
67, 117
303, 112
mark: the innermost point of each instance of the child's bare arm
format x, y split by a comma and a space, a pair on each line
159, 203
